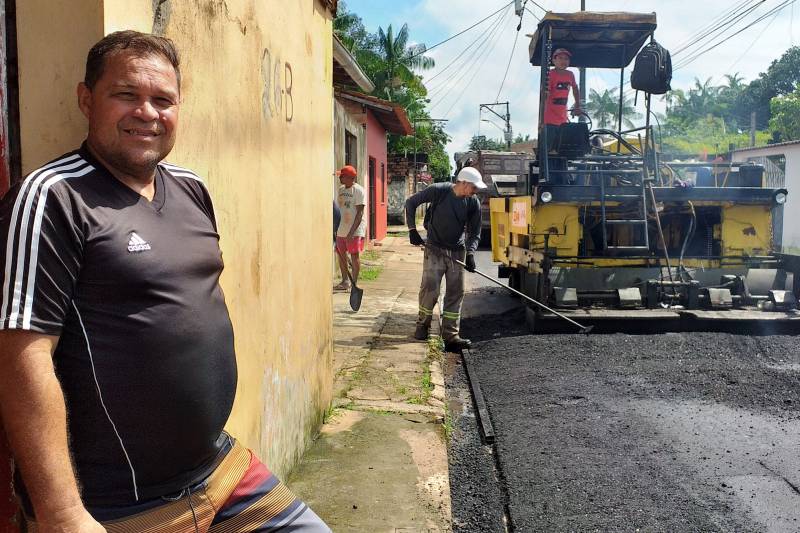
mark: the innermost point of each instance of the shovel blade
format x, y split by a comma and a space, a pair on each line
355, 297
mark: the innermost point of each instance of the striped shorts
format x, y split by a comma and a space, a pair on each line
240, 496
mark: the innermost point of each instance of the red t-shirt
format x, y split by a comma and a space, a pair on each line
558, 84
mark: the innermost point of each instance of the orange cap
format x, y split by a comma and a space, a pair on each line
349, 171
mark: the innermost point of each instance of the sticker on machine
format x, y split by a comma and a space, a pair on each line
519, 214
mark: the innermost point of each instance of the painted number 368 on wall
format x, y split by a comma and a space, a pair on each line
276, 98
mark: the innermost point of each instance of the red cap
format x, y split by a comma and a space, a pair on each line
560, 51
349, 171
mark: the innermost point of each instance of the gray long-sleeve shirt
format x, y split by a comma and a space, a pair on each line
451, 215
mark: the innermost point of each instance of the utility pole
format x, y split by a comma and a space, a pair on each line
582, 79
507, 119
752, 129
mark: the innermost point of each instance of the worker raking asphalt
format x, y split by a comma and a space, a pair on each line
665, 432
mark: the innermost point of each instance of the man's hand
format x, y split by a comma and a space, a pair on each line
414, 237
76, 520
470, 262
576, 111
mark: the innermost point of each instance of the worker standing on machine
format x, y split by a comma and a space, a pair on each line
559, 82
453, 209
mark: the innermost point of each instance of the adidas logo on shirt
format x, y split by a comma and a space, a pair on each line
137, 244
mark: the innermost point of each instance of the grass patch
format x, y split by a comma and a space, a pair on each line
370, 255
435, 352
369, 273
397, 233
448, 423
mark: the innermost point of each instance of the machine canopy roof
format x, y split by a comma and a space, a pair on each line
596, 40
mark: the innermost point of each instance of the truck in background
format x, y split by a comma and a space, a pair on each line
504, 173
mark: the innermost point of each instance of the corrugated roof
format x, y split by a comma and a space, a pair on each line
391, 115
595, 39
346, 70
332, 5
749, 148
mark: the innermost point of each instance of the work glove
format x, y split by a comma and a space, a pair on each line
470, 262
416, 240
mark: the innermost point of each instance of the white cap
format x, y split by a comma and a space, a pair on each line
471, 175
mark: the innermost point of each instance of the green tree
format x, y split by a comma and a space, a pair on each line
431, 139
781, 78
785, 116
481, 142
394, 62
604, 109
520, 139
349, 28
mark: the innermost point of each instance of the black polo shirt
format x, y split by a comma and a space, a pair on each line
131, 287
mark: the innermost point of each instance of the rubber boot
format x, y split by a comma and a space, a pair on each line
421, 332
456, 344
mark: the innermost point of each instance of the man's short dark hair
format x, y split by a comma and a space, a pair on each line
144, 44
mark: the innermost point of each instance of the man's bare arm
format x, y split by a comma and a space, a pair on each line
34, 418
356, 221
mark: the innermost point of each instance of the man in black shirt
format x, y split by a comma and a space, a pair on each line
453, 208
111, 311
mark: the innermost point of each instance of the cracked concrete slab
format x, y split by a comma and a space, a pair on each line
380, 462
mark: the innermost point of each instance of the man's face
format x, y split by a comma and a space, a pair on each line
561, 61
347, 181
133, 112
465, 188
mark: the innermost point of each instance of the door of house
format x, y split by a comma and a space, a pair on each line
5, 152
8, 506
373, 198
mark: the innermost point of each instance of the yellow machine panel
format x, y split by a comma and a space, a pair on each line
501, 232
746, 230
557, 226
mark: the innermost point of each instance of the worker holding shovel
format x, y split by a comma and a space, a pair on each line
453, 223
352, 228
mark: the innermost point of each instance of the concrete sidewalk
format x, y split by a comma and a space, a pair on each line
380, 463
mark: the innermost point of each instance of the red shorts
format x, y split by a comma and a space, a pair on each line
354, 245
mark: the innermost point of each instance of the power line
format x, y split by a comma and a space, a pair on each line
760, 34
478, 38
719, 22
461, 73
759, 19
701, 32
720, 30
460, 68
475, 72
513, 49
462, 31
475, 67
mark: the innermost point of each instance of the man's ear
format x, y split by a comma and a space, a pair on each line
84, 99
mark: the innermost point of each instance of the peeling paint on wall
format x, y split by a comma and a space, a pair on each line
161, 12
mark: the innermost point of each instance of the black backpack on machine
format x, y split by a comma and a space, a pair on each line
652, 70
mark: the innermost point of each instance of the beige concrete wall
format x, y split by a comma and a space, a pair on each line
257, 123
53, 37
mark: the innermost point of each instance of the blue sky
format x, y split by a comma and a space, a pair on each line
457, 98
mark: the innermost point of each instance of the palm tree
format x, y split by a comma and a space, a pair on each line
604, 109
735, 82
702, 98
395, 61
